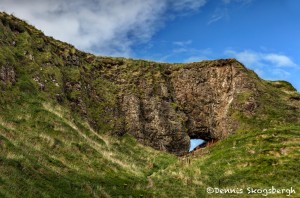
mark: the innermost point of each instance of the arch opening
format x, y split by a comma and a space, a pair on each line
194, 143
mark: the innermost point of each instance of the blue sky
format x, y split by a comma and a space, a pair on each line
195, 143
262, 34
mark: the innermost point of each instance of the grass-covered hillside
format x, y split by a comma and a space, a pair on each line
61, 136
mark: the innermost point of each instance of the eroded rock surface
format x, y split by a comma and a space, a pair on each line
193, 101
7, 74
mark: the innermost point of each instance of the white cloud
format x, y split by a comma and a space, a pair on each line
279, 60
187, 4
267, 65
219, 14
223, 11
103, 26
253, 58
246, 57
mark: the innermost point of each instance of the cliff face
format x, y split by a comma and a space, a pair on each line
161, 105
189, 101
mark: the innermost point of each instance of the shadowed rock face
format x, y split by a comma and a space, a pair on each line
193, 101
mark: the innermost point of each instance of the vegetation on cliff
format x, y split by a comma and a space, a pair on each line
65, 133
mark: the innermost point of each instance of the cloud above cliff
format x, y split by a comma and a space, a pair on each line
253, 58
267, 65
100, 26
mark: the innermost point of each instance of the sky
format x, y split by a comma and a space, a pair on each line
195, 143
262, 34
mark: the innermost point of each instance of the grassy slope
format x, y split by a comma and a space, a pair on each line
48, 151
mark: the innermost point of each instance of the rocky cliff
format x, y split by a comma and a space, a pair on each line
162, 105
180, 102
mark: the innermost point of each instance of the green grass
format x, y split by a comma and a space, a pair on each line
258, 159
47, 152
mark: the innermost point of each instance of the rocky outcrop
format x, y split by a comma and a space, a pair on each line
7, 74
206, 92
156, 123
151, 117
192, 101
